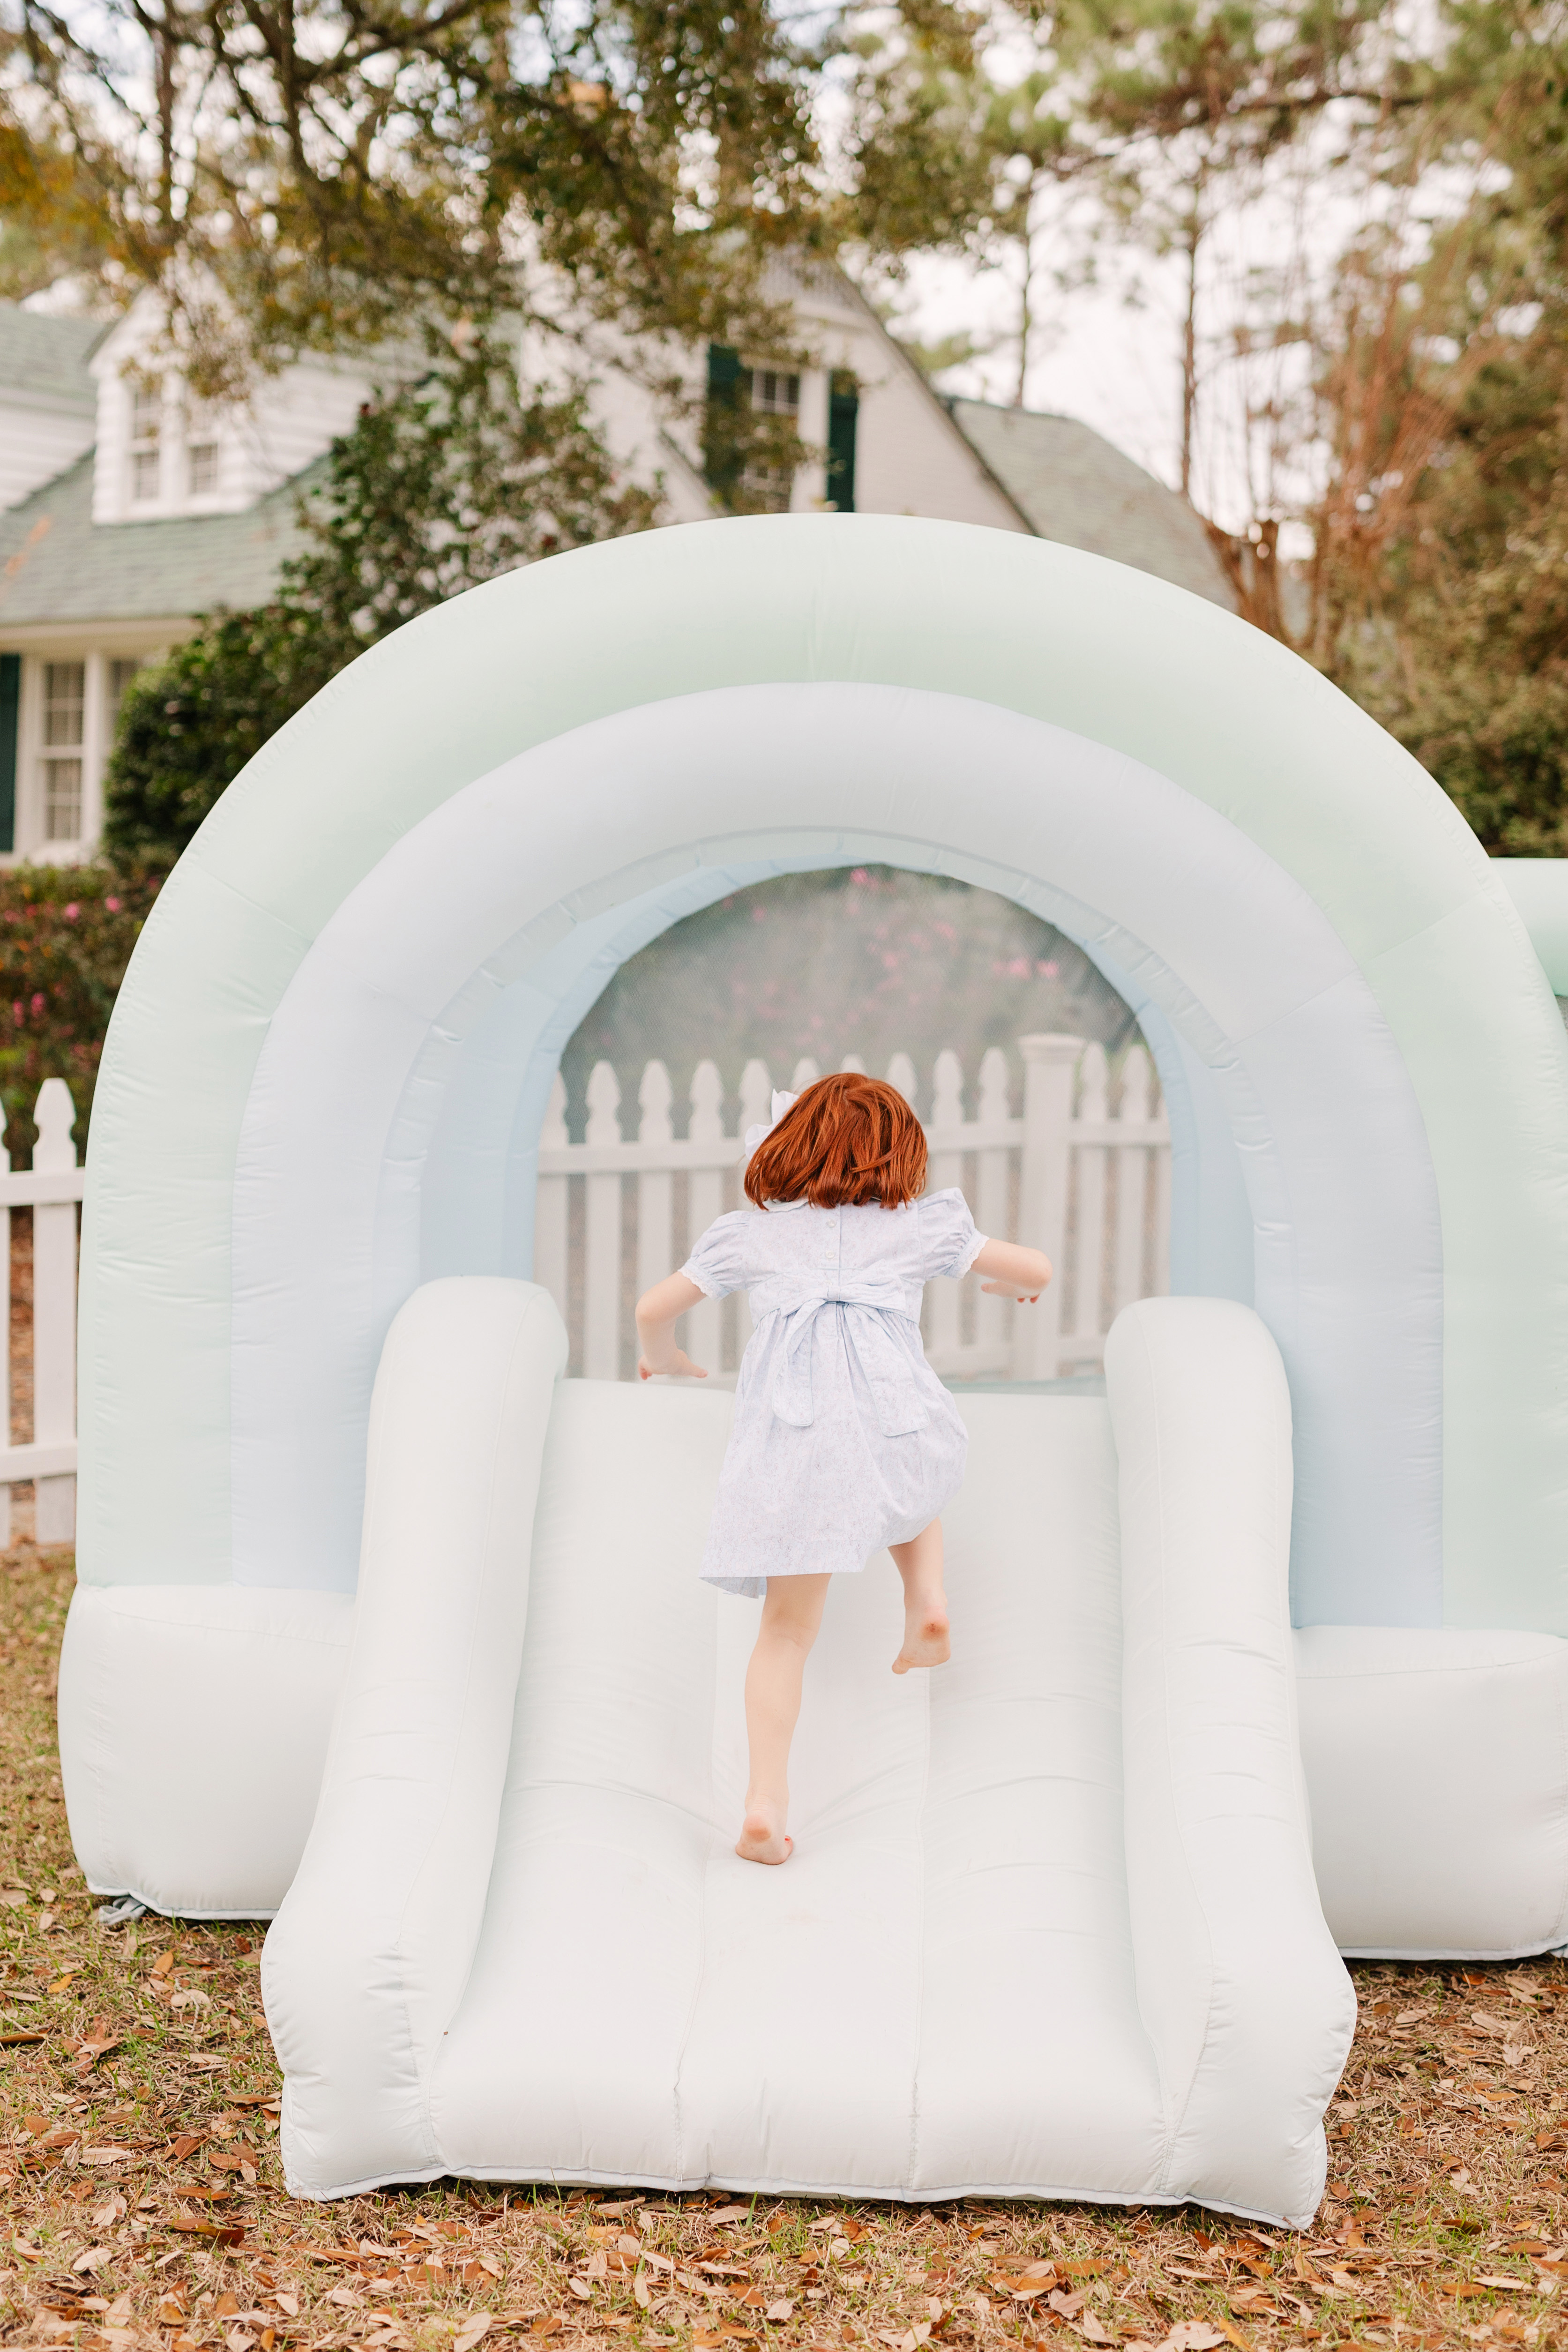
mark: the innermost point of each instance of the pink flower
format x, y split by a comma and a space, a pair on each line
945, 930
112, 905
859, 873
37, 1005
1047, 970
73, 911
759, 914
17, 1015
890, 962
1019, 967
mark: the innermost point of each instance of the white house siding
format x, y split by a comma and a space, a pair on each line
36, 444
295, 416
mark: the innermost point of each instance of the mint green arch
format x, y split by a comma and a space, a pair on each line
1108, 660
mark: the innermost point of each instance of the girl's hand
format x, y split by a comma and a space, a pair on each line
1013, 1271
680, 1364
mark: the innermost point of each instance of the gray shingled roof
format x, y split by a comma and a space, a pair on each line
43, 360
54, 566
1073, 486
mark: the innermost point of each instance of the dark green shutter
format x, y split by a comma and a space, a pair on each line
842, 408
729, 389
10, 705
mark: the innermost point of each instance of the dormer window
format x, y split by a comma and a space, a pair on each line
201, 453
200, 457
146, 436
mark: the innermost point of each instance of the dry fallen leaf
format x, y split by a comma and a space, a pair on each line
780, 2310
472, 2331
581, 2289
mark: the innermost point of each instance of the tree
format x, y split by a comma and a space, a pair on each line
317, 172
1428, 439
944, 157
447, 482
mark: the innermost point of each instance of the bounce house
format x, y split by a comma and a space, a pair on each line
387, 1629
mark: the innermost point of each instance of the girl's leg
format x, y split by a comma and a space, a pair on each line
790, 1616
919, 1562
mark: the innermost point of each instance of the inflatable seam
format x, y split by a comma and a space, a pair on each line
700, 1973
1562, 1927
1406, 1674
919, 2020
1174, 2122
424, 2071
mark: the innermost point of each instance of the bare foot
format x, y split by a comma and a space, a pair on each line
760, 1840
925, 1638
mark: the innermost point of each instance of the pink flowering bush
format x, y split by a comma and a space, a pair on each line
66, 936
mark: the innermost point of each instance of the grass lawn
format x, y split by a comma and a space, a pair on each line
143, 2203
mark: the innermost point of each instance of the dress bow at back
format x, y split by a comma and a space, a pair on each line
861, 1307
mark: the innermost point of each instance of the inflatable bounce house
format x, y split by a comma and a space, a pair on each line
387, 1629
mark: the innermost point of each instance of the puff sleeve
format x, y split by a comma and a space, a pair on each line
717, 1263
948, 1241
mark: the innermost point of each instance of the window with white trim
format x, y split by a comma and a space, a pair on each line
146, 443
65, 711
774, 393
201, 455
121, 674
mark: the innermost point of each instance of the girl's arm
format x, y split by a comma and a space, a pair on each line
1015, 1272
658, 1310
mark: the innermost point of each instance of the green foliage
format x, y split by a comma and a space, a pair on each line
439, 486
297, 172
66, 936
188, 726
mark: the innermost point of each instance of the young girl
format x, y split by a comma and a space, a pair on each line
843, 1438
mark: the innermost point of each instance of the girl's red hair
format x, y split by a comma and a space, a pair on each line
844, 1141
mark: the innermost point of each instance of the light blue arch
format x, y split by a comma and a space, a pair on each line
1436, 978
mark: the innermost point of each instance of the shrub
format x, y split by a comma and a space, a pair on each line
66, 936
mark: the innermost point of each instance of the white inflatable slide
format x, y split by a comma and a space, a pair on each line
1050, 1928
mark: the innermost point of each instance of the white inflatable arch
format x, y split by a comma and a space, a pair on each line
327, 1071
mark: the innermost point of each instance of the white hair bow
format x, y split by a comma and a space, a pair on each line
782, 1102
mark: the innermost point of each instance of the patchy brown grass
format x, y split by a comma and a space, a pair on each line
143, 2205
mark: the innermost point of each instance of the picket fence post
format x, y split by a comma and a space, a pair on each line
705, 1200
1049, 1063
51, 1187
602, 1236
1089, 1241
1133, 1180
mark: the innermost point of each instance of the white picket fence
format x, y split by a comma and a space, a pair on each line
1082, 1171
51, 1189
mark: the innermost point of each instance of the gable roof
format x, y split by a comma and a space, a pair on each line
55, 566
43, 360
1073, 486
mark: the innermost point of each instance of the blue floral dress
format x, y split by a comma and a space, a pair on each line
844, 1439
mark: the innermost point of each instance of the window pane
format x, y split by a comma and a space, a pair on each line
121, 674
65, 685
204, 467
144, 474
62, 800
774, 393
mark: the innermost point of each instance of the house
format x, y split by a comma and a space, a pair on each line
127, 508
